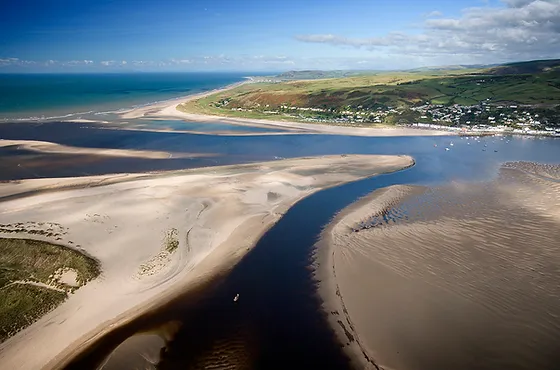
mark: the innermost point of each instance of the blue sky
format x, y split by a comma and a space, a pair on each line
249, 35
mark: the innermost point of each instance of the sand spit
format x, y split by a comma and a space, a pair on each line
463, 276
157, 235
169, 110
48, 147
149, 110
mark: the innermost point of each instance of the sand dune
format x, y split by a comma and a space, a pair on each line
157, 235
458, 277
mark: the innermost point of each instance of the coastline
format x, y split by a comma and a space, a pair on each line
219, 214
148, 109
169, 110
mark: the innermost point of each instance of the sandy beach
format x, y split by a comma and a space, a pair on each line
169, 110
213, 216
456, 277
151, 109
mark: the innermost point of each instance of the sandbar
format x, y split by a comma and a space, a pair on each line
156, 235
54, 148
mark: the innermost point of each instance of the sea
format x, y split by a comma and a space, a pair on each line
25, 97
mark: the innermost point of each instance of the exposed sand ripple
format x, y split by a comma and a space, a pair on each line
457, 277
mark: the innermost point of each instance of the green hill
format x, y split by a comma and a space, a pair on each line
535, 83
531, 67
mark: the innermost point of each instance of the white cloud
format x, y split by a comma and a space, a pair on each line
109, 63
433, 14
181, 61
8, 61
520, 29
75, 63
142, 62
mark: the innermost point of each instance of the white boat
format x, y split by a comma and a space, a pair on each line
236, 298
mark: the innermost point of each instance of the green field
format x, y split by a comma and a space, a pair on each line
28, 284
508, 84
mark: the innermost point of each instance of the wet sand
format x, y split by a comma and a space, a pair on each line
463, 276
54, 148
212, 216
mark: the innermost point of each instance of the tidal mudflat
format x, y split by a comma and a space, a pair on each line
459, 276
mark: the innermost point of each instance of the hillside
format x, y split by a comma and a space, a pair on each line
329, 100
532, 67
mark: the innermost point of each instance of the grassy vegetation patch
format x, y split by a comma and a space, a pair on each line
171, 240
25, 259
29, 284
21, 305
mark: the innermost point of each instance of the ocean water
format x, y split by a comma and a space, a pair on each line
67, 96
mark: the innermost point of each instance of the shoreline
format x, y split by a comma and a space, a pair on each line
328, 290
147, 109
169, 110
225, 209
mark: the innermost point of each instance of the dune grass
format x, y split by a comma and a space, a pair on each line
21, 305
28, 284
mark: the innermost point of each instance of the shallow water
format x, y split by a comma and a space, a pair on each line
202, 127
466, 159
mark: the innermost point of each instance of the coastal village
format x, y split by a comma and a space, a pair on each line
485, 117
489, 118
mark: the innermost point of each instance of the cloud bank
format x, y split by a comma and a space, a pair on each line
517, 30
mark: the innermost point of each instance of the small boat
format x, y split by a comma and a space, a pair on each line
450, 144
236, 298
446, 149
